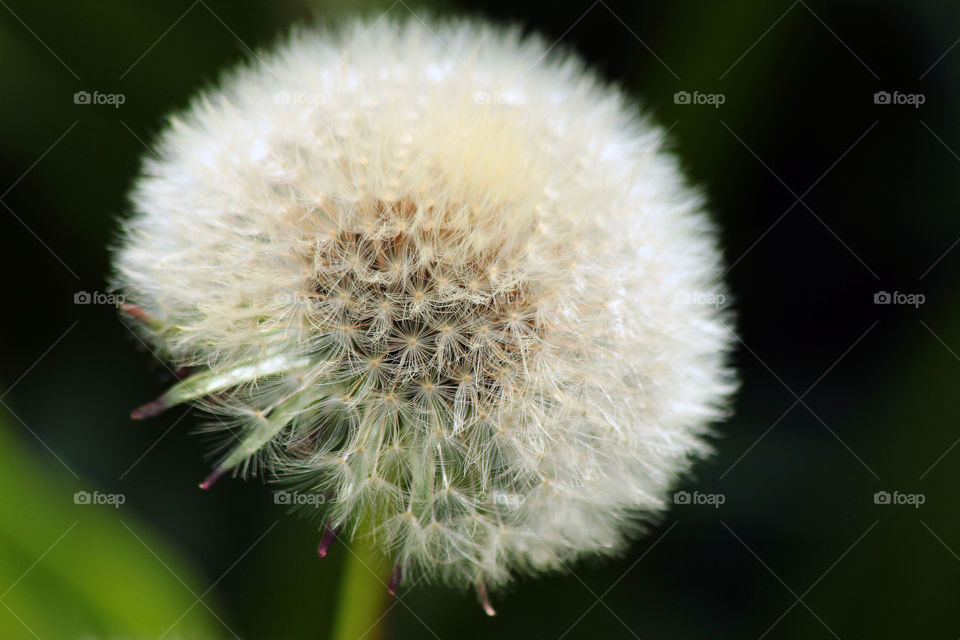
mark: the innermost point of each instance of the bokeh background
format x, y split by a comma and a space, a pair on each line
825, 197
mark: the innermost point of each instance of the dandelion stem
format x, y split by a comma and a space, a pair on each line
363, 593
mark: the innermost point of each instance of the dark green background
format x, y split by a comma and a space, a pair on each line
877, 385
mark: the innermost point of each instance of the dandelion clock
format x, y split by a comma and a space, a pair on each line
442, 279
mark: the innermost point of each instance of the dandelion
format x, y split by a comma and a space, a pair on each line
440, 276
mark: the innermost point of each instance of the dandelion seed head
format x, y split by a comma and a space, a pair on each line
432, 274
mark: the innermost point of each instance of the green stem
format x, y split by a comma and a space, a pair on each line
363, 593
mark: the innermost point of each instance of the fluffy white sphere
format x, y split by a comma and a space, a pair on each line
444, 277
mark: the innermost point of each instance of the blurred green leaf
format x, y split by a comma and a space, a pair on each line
72, 570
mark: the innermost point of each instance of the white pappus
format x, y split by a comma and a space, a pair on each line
445, 277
